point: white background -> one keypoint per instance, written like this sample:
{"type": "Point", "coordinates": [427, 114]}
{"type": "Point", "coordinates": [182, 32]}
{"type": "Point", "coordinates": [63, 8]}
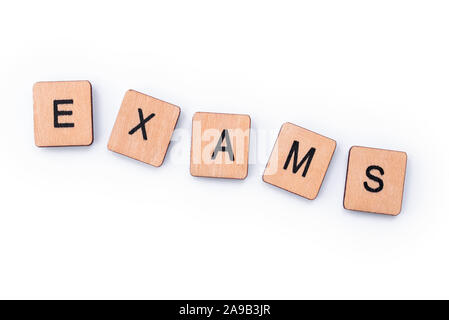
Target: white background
{"type": "Point", "coordinates": [84, 222]}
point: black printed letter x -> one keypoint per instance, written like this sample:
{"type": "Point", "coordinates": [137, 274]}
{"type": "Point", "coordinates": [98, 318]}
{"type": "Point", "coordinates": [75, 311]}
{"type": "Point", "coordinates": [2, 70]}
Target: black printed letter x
{"type": "Point", "coordinates": [141, 125]}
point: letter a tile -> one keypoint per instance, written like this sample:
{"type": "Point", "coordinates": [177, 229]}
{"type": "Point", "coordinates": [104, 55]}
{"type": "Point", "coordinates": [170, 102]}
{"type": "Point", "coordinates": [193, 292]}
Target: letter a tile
{"type": "Point", "coordinates": [220, 145]}
{"type": "Point", "coordinates": [62, 113]}
{"type": "Point", "coordinates": [143, 128]}
{"type": "Point", "coordinates": [375, 180]}
{"type": "Point", "coordinates": [299, 161]}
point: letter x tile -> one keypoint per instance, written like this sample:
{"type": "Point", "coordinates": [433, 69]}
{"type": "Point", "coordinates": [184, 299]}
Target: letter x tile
{"type": "Point", "coordinates": [143, 128]}
{"type": "Point", "coordinates": [299, 161]}
{"type": "Point", "coordinates": [62, 113]}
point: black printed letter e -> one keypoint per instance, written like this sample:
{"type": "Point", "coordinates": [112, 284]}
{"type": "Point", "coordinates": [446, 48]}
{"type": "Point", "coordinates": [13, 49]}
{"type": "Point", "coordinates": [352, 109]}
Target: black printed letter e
{"type": "Point", "coordinates": [57, 113]}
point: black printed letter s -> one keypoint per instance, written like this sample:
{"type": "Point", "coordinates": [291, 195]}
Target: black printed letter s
{"type": "Point", "coordinates": [374, 178]}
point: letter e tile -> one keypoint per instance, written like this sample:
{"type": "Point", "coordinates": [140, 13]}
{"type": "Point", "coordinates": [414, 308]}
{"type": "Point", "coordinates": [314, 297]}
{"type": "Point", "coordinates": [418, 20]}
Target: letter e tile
{"type": "Point", "coordinates": [62, 113]}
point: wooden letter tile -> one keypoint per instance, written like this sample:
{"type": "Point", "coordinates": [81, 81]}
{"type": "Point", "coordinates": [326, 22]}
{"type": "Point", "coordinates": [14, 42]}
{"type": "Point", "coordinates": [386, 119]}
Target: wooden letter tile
{"type": "Point", "coordinates": [375, 180]}
{"type": "Point", "coordinates": [299, 161]}
{"type": "Point", "coordinates": [220, 145]}
{"type": "Point", "coordinates": [62, 113]}
{"type": "Point", "coordinates": [143, 128]}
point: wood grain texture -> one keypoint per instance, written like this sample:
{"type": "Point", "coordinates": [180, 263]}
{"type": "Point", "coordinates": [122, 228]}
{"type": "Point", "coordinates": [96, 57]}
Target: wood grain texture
{"type": "Point", "coordinates": [158, 130]}
{"type": "Point", "coordinates": [392, 174]}
{"type": "Point", "coordinates": [308, 186]}
{"type": "Point", "coordinates": [46, 134]}
{"type": "Point", "coordinates": [207, 129]}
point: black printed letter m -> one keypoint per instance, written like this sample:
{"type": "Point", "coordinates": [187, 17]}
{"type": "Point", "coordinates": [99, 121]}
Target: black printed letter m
{"type": "Point", "coordinates": [294, 150]}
